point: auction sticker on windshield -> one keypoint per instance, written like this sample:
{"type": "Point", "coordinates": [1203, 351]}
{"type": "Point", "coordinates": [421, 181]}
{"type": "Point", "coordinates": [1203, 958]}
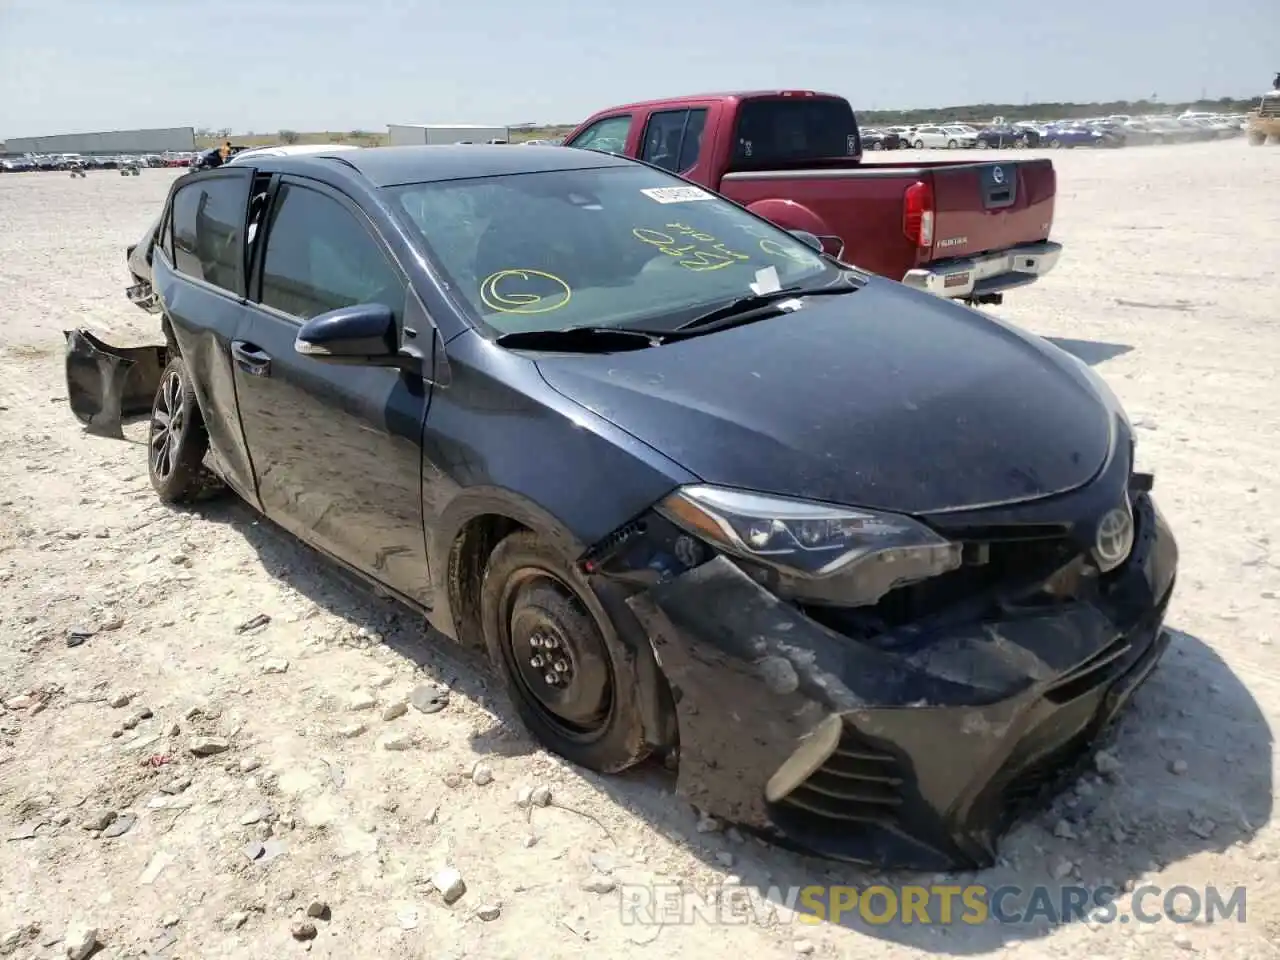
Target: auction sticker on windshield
{"type": "Point", "coordinates": [676, 194]}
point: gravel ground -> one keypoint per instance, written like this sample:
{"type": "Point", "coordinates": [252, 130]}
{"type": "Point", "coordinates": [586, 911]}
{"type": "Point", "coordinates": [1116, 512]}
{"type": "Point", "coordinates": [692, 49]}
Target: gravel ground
{"type": "Point", "coordinates": [133, 638]}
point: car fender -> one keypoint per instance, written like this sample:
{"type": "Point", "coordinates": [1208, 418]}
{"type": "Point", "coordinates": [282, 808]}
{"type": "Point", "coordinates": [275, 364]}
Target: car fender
{"type": "Point", "coordinates": [652, 693]}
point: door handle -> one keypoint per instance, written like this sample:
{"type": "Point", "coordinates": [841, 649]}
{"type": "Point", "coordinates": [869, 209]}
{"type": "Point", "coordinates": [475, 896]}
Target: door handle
{"type": "Point", "coordinates": [250, 359]}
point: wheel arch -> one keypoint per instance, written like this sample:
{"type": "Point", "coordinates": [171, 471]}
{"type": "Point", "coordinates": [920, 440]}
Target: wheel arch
{"type": "Point", "coordinates": [465, 536]}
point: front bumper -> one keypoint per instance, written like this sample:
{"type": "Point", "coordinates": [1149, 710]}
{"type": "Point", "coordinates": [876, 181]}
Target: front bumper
{"type": "Point", "coordinates": [918, 757]}
{"type": "Point", "coordinates": [987, 273]}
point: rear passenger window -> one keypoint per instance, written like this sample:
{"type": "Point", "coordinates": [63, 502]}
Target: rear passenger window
{"type": "Point", "coordinates": [319, 257]}
{"type": "Point", "coordinates": [208, 231]}
{"type": "Point", "coordinates": [673, 139]}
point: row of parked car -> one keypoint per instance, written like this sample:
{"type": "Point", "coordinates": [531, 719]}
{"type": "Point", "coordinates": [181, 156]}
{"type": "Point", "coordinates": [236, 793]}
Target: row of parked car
{"type": "Point", "coordinates": [1119, 130]}
{"type": "Point", "coordinates": [77, 162]}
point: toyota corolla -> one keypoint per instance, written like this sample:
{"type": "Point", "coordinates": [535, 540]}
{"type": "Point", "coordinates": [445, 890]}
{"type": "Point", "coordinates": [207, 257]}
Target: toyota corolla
{"type": "Point", "coordinates": [872, 567]}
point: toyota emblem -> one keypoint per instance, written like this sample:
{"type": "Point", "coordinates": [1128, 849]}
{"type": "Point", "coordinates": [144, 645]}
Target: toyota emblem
{"type": "Point", "coordinates": [997, 174]}
{"type": "Point", "coordinates": [1114, 538]}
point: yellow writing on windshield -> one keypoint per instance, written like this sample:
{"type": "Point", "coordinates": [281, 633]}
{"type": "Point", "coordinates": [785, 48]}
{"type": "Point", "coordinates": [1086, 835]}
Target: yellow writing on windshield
{"type": "Point", "coordinates": [775, 249]}
{"type": "Point", "coordinates": [512, 291]}
{"type": "Point", "coordinates": [704, 253]}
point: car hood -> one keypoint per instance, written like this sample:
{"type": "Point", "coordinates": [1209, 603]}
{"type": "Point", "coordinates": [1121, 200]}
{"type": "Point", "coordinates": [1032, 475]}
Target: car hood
{"type": "Point", "coordinates": [886, 397]}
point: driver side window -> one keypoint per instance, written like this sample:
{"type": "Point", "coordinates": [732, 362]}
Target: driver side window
{"type": "Point", "coordinates": [319, 257]}
{"type": "Point", "coordinates": [608, 135]}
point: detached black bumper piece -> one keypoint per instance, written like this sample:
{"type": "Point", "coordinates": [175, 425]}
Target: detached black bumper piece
{"type": "Point", "coordinates": [914, 756]}
{"type": "Point", "coordinates": [107, 385]}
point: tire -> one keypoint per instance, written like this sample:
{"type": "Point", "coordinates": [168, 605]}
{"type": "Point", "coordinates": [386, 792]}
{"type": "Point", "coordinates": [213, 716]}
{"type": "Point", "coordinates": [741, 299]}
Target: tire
{"type": "Point", "coordinates": [983, 145]}
{"type": "Point", "coordinates": [175, 452]}
{"type": "Point", "coordinates": [952, 145]}
{"type": "Point", "coordinates": [1055, 143]}
{"type": "Point", "coordinates": [877, 145]}
{"type": "Point", "coordinates": [532, 593]}
{"type": "Point", "coordinates": [1257, 139]}
{"type": "Point", "coordinates": [919, 144]}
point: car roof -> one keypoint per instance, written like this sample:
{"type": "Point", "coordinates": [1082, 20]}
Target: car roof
{"type": "Point", "coordinates": [291, 150]}
{"type": "Point", "coordinates": [391, 166]}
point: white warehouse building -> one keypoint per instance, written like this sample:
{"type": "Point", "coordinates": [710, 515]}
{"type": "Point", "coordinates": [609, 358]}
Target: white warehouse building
{"type": "Point", "coordinates": [416, 134]}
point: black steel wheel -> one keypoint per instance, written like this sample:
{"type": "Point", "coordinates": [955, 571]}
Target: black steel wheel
{"type": "Point", "coordinates": [176, 439]}
{"type": "Point", "coordinates": [570, 677]}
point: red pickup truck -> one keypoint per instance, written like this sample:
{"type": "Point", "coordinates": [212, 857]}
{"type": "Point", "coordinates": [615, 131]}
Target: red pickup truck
{"type": "Point", "coordinates": [958, 229]}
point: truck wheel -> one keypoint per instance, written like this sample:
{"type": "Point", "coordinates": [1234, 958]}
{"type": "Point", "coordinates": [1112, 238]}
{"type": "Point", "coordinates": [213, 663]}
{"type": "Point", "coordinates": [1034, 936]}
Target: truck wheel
{"type": "Point", "coordinates": [569, 675]}
{"type": "Point", "coordinates": [176, 439]}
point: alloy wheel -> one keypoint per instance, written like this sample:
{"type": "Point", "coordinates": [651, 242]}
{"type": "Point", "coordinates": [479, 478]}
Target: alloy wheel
{"type": "Point", "coordinates": [168, 421]}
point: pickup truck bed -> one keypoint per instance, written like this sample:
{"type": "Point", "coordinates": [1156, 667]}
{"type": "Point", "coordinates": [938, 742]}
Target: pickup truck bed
{"type": "Point", "coordinates": [958, 229]}
{"type": "Point", "coordinates": [988, 230]}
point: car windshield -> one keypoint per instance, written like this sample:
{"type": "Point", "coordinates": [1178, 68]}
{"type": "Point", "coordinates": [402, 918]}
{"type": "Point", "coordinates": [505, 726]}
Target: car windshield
{"type": "Point", "coordinates": [610, 246]}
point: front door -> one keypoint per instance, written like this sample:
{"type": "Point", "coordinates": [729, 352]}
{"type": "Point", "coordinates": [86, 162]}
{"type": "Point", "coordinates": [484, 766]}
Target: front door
{"type": "Point", "coordinates": [336, 450]}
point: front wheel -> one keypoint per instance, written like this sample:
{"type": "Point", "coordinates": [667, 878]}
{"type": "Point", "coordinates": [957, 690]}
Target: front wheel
{"type": "Point", "coordinates": [1257, 139]}
{"type": "Point", "coordinates": [919, 144]}
{"type": "Point", "coordinates": [571, 678]}
{"type": "Point", "coordinates": [983, 145]}
{"type": "Point", "coordinates": [1055, 143]}
{"type": "Point", "coordinates": [952, 145]}
{"type": "Point", "coordinates": [176, 439]}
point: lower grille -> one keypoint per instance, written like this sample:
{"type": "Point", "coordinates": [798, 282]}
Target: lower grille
{"type": "Point", "coordinates": [858, 783]}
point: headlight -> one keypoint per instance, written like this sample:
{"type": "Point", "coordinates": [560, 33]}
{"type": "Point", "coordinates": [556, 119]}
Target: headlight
{"type": "Point", "coordinates": [820, 551]}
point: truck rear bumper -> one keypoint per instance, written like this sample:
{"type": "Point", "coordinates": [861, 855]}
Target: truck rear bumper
{"type": "Point", "coordinates": [986, 274]}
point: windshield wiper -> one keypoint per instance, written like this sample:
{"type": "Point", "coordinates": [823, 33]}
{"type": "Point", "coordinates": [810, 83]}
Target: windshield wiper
{"type": "Point", "coordinates": [754, 307]}
{"type": "Point", "coordinates": [581, 339]}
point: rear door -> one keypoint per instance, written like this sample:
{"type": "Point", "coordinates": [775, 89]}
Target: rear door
{"type": "Point", "coordinates": [336, 450]}
{"type": "Point", "coordinates": [199, 274]}
{"type": "Point", "coordinates": [673, 140]}
{"type": "Point", "coordinates": [986, 207]}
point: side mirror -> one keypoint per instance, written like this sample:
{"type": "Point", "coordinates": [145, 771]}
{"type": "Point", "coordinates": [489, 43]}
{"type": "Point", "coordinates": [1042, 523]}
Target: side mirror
{"type": "Point", "coordinates": [364, 334]}
{"type": "Point", "coordinates": [808, 239]}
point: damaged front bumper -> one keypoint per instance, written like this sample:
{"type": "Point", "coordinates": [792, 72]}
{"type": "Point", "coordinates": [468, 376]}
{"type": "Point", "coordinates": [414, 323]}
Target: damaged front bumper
{"type": "Point", "coordinates": [916, 755]}
{"type": "Point", "coordinates": [107, 385]}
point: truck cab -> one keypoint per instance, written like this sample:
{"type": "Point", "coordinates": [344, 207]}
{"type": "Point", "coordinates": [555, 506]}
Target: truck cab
{"type": "Point", "coordinates": [959, 229]}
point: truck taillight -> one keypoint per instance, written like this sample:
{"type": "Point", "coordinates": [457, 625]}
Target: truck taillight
{"type": "Point", "coordinates": [917, 214]}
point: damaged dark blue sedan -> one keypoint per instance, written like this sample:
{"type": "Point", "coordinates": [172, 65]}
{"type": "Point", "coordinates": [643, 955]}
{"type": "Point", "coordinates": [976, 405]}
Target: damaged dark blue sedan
{"type": "Point", "coordinates": [874, 568]}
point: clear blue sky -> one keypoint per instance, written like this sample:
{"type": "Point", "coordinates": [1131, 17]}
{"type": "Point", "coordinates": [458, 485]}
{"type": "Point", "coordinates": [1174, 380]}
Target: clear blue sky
{"type": "Point", "coordinates": [263, 65]}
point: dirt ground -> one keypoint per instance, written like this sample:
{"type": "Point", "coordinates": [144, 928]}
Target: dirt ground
{"type": "Point", "coordinates": [318, 789]}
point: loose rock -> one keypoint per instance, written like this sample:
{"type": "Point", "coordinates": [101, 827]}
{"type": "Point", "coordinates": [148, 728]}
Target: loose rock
{"type": "Point", "coordinates": [361, 700]}
{"type": "Point", "coordinates": [481, 774]}
{"type": "Point", "coordinates": [121, 699]}
{"type": "Point", "coordinates": [397, 741]}
{"type": "Point", "coordinates": [395, 710]}
{"type": "Point", "coordinates": [1178, 766]}
{"type": "Point", "coordinates": [351, 730]}
{"type": "Point", "coordinates": [79, 941]}
{"type": "Point", "coordinates": [234, 921]}
{"type": "Point", "coordinates": [303, 930]}
{"type": "Point", "coordinates": [275, 667]}
{"type": "Point", "coordinates": [99, 820]}
{"type": "Point", "coordinates": [489, 911]}
{"type": "Point", "coordinates": [319, 910]}
{"type": "Point", "coordinates": [119, 826]}
{"type": "Point", "coordinates": [429, 699]}
{"type": "Point", "coordinates": [208, 746]}
{"type": "Point", "coordinates": [1107, 763]}
{"type": "Point", "coordinates": [540, 796]}
{"type": "Point", "coordinates": [599, 884]}
{"type": "Point", "coordinates": [176, 786]}
{"type": "Point", "coordinates": [450, 884]}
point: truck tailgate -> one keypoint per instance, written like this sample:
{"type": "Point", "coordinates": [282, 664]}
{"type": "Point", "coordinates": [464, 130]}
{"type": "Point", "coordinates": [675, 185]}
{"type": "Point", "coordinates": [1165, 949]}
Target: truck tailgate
{"type": "Point", "coordinates": [985, 207]}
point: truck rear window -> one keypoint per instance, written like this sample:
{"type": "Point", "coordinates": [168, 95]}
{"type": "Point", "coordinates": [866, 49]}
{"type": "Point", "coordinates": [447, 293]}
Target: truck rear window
{"type": "Point", "coordinates": [787, 131]}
